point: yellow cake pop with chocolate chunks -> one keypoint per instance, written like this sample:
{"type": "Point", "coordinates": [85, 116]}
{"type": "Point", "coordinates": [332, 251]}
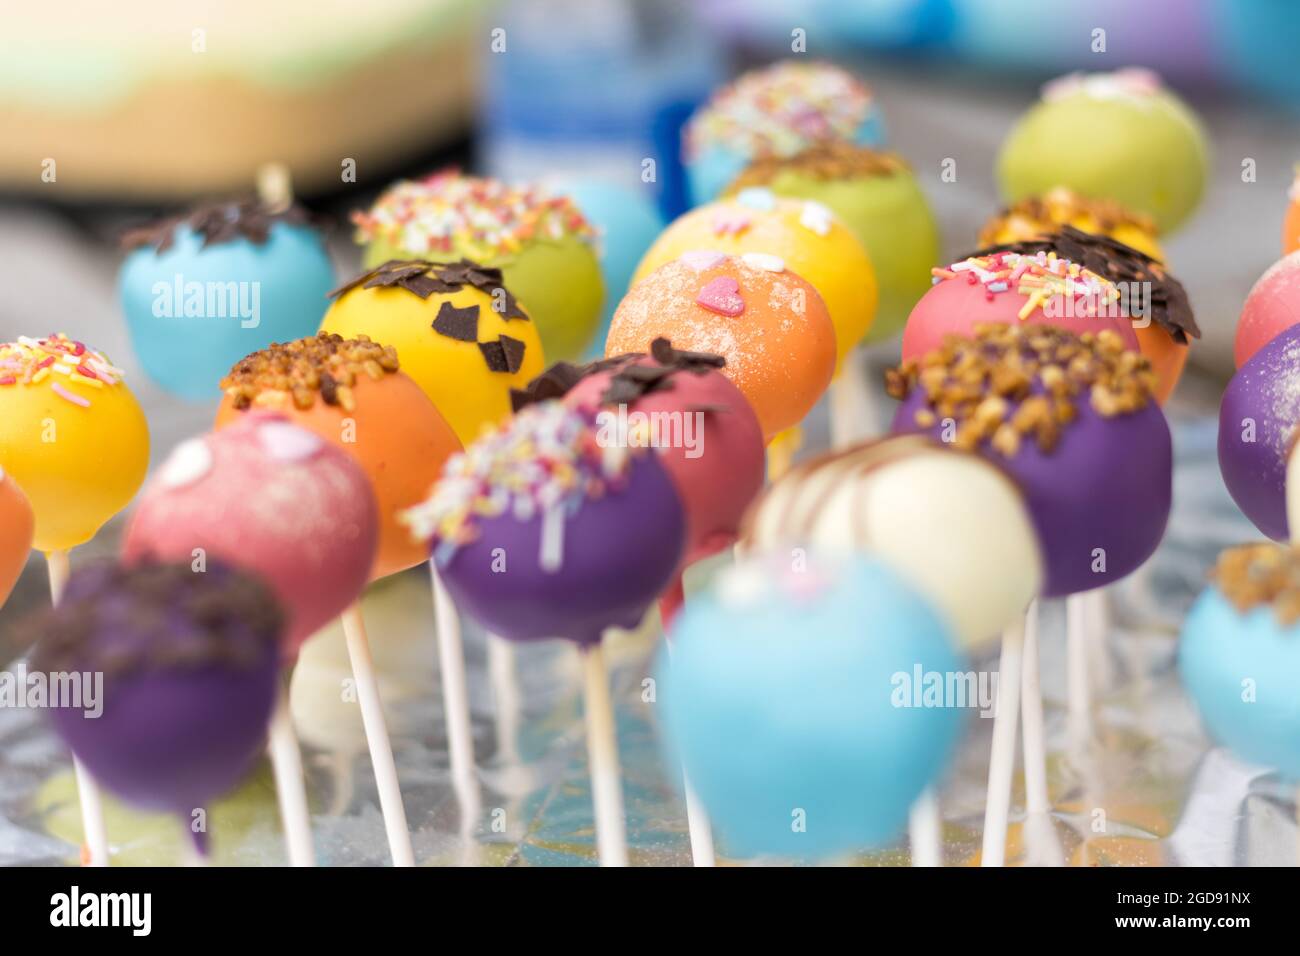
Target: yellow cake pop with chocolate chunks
{"type": "Point", "coordinates": [459, 333]}
{"type": "Point", "coordinates": [71, 434]}
{"type": "Point", "coordinates": [1045, 214]}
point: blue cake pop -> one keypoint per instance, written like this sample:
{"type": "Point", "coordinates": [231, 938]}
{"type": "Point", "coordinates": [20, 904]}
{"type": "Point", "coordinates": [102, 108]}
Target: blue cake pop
{"type": "Point", "coordinates": [779, 111]}
{"type": "Point", "coordinates": [789, 696]}
{"type": "Point", "coordinates": [628, 223]}
{"type": "Point", "coordinates": [203, 290]}
{"type": "Point", "coordinates": [1239, 656]}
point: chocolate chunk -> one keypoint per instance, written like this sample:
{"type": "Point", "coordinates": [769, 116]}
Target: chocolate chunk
{"type": "Point", "coordinates": [459, 324]}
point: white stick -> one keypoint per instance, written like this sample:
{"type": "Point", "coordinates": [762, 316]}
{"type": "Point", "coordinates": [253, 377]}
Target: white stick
{"type": "Point", "coordinates": [925, 827]}
{"type": "Point", "coordinates": [1031, 710]}
{"type": "Point", "coordinates": [1078, 692]}
{"type": "Point", "coordinates": [290, 788]}
{"type": "Point", "coordinates": [506, 698]}
{"type": "Point", "coordinates": [455, 692]}
{"type": "Point", "coordinates": [1097, 602]}
{"type": "Point", "coordinates": [602, 756]}
{"type": "Point", "coordinates": [1002, 758]}
{"type": "Point", "coordinates": [699, 828]}
{"type": "Point", "coordinates": [376, 727]}
{"type": "Point", "coordinates": [850, 402]}
{"type": "Point", "coordinates": [94, 832]}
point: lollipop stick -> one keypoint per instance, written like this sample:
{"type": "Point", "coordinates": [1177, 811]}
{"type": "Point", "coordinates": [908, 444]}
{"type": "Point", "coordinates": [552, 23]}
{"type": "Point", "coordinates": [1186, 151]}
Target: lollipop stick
{"type": "Point", "coordinates": [1002, 759]}
{"type": "Point", "coordinates": [1031, 709]}
{"type": "Point", "coordinates": [602, 757]}
{"type": "Point", "coordinates": [92, 805]}
{"type": "Point", "coordinates": [1078, 693]}
{"type": "Point", "coordinates": [697, 818]}
{"type": "Point", "coordinates": [286, 765]}
{"type": "Point", "coordinates": [925, 827]}
{"type": "Point", "coordinates": [455, 692]}
{"type": "Point", "coordinates": [505, 693]}
{"type": "Point", "coordinates": [381, 750]}
{"type": "Point", "coordinates": [850, 402]}
{"type": "Point", "coordinates": [275, 186]}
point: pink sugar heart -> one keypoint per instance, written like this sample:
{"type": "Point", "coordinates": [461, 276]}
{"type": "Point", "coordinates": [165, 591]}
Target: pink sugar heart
{"type": "Point", "coordinates": [721, 295]}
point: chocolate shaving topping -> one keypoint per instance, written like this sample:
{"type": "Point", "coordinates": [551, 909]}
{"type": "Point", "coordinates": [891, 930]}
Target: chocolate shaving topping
{"type": "Point", "coordinates": [631, 380]}
{"type": "Point", "coordinates": [459, 324]}
{"type": "Point", "coordinates": [424, 278]}
{"type": "Point", "coordinates": [124, 620]}
{"type": "Point", "coordinates": [1121, 264]}
{"type": "Point", "coordinates": [503, 355]}
{"type": "Point", "coordinates": [216, 223]}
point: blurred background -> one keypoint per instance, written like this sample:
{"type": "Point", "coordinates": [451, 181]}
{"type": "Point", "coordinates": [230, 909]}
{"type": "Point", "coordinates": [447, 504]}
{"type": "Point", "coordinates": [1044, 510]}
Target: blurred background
{"type": "Point", "coordinates": [111, 114]}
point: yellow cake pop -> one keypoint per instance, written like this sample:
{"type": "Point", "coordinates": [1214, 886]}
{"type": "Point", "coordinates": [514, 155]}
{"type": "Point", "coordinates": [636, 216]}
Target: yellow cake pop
{"type": "Point", "coordinates": [804, 234]}
{"type": "Point", "coordinates": [1042, 215]}
{"type": "Point", "coordinates": [71, 434]}
{"type": "Point", "coordinates": [458, 332]}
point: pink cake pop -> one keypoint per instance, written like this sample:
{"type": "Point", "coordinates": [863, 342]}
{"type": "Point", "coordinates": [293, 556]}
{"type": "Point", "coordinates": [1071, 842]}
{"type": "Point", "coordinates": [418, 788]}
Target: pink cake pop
{"type": "Point", "coordinates": [266, 495]}
{"type": "Point", "coordinates": [1272, 306]}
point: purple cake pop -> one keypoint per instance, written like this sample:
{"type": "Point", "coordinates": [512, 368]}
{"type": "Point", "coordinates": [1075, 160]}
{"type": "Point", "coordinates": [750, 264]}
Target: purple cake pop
{"type": "Point", "coordinates": [545, 528]}
{"type": "Point", "coordinates": [189, 662]}
{"type": "Point", "coordinates": [1257, 427]}
{"type": "Point", "coordinates": [1073, 420]}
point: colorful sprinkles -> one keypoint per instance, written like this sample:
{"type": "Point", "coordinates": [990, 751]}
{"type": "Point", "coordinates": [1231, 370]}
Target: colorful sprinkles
{"type": "Point", "coordinates": [447, 213]}
{"type": "Point", "coordinates": [62, 361]}
{"type": "Point", "coordinates": [544, 463]}
{"type": "Point", "coordinates": [1039, 276]}
{"type": "Point", "coordinates": [781, 110]}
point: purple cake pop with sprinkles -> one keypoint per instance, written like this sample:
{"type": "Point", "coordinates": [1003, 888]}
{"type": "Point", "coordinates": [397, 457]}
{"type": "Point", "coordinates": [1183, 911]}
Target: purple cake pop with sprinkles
{"type": "Point", "coordinates": [189, 661]}
{"type": "Point", "coordinates": [1073, 420]}
{"type": "Point", "coordinates": [545, 529]}
{"type": "Point", "coordinates": [1257, 429]}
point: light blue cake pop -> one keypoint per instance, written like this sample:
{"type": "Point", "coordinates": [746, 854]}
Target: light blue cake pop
{"type": "Point", "coordinates": [779, 110]}
{"type": "Point", "coordinates": [1239, 656]}
{"type": "Point", "coordinates": [202, 291]}
{"type": "Point", "coordinates": [628, 223]}
{"type": "Point", "coordinates": [793, 698]}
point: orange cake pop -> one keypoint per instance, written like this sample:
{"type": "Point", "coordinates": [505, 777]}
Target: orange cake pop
{"type": "Point", "coordinates": [16, 527]}
{"type": "Point", "coordinates": [351, 393]}
{"type": "Point", "coordinates": [1291, 225]}
{"type": "Point", "coordinates": [770, 325]}
{"type": "Point", "coordinates": [806, 236]}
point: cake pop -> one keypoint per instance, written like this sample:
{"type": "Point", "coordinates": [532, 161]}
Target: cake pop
{"type": "Point", "coordinates": [769, 324]}
{"type": "Point", "coordinates": [458, 332]}
{"type": "Point", "coordinates": [778, 110]}
{"type": "Point", "coordinates": [808, 748]}
{"type": "Point", "coordinates": [16, 525]}
{"type": "Point", "coordinates": [708, 438]}
{"type": "Point", "coordinates": [1096, 473]}
{"type": "Point", "coordinates": [1143, 146]}
{"type": "Point", "coordinates": [351, 393]}
{"type": "Point", "coordinates": [189, 665]}
{"type": "Point", "coordinates": [1239, 654]}
{"type": "Point", "coordinates": [805, 235]}
{"type": "Point", "coordinates": [1037, 216]}
{"type": "Point", "coordinates": [202, 289]}
{"type": "Point", "coordinates": [280, 502]}
{"type": "Point", "coordinates": [541, 243]}
{"type": "Point", "coordinates": [519, 527]}
{"type": "Point", "coordinates": [1272, 306]}
{"type": "Point", "coordinates": [627, 222]}
{"type": "Point", "coordinates": [1257, 428]}
{"type": "Point", "coordinates": [273, 499]}
{"type": "Point", "coordinates": [71, 435]}
{"type": "Point", "coordinates": [1153, 302]}
{"type": "Point", "coordinates": [952, 524]}
{"type": "Point", "coordinates": [877, 196]}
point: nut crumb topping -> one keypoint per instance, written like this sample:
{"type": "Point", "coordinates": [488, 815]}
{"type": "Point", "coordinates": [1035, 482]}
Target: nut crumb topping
{"type": "Point", "coordinates": [326, 364]}
{"type": "Point", "coordinates": [1263, 573]}
{"type": "Point", "coordinates": [1012, 383]}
